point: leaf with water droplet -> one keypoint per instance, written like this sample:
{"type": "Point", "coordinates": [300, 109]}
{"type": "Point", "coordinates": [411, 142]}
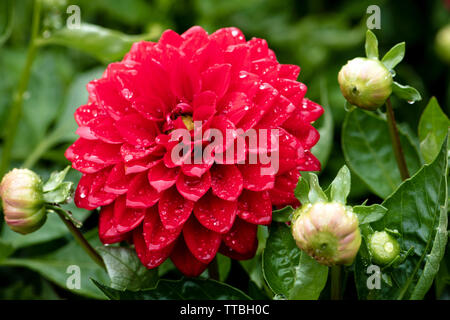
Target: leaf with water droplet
{"type": "Point", "coordinates": [407, 93]}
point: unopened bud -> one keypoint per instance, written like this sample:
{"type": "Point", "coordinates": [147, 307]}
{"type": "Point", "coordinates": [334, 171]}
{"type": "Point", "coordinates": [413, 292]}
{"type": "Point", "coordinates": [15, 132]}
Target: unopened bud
{"type": "Point", "coordinates": [384, 247]}
{"type": "Point", "coordinates": [22, 199]}
{"type": "Point", "coordinates": [328, 232]}
{"type": "Point", "coordinates": [365, 83]}
{"type": "Point", "coordinates": [443, 43]}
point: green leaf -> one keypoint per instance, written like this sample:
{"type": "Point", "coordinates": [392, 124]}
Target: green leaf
{"type": "Point", "coordinates": [394, 56]}
{"type": "Point", "coordinates": [371, 45]}
{"type": "Point", "coordinates": [104, 44]}
{"type": "Point", "coordinates": [55, 180]}
{"type": "Point", "coordinates": [125, 269]}
{"type": "Point", "coordinates": [368, 152]}
{"type": "Point", "coordinates": [340, 187]}
{"type": "Point", "coordinates": [6, 249]}
{"type": "Point", "coordinates": [369, 214]}
{"type": "Point", "coordinates": [407, 93]}
{"type": "Point", "coordinates": [433, 126]}
{"type": "Point", "coordinates": [224, 264]}
{"type": "Point", "coordinates": [315, 193]}
{"type": "Point", "coordinates": [61, 194]}
{"type": "Point", "coordinates": [183, 289]}
{"type": "Point", "coordinates": [418, 210]}
{"type": "Point", "coordinates": [283, 215]}
{"type": "Point", "coordinates": [302, 189]}
{"type": "Point", "coordinates": [54, 266]}
{"type": "Point", "coordinates": [289, 271]}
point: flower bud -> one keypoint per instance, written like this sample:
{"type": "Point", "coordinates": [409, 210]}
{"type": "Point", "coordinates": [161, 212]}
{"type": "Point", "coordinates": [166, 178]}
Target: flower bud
{"type": "Point", "coordinates": [22, 199]}
{"type": "Point", "coordinates": [443, 43]}
{"type": "Point", "coordinates": [328, 232]}
{"type": "Point", "coordinates": [365, 83]}
{"type": "Point", "coordinates": [384, 247]}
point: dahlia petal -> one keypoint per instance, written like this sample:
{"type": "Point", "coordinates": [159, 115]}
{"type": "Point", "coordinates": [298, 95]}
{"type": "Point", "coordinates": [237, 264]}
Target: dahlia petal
{"type": "Point", "coordinates": [193, 188]}
{"type": "Point", "coordinates": [257, 177]}
{"type": "Point", "coordinates": [130, 152]}
{"type": "Point", "coordinates": [202, 243]}
{"type": "Point", "coordinates": [267, 69]}
{"type": "Point", "coordinates": [86, 113]}
{"type": "Point", "coordinates": [310, 111]}
{"type": "Point", "coordinates": [151, 108]}
{"type": "Point", "coordinates": [107, 233]}
{"type": "Point", "coordinates": [214, 213]}
{"type": "Point", "coordinates": [310, 162]}
{"type": "Point", "coordinates": [283, 198]}
{"type": "Point", "coordinates": [246, 82]}
{"type": "Point", "coordinates": [136, 130]}
{"type": "Point", "coordinates": [279, 112]}
{"type": "Point", "coordinates": [197, 170]}
{"type": "Point", "coordinates": [174, 160]}
{"type": "Point", "coordinates": [241, 237]}
{"type": "Point", "coordinates": [185, 261]}
{"type": "Point", "coordinates": [117, 182]}
{"type": "Point", "coordinates": [208, 56]}
{"type": "Point", "coordinates": [291, 150]}
{"type": "Point", "coordinates": [216, 79]}
{"type": "Point", "coordinates": [255, 207]}
{"type": "Point", "coordinates": [226, 182]}
{"type": "Point", "coordinates": [258, 48]}
{"type": "Point", "coordinates": [194, 39]}
{"type": "Point", "coordinates": [156, 236]}
{"type": "Point", "coordinates": [140, 165]}
{"type": "Point", "coordinates": [239, 58]}
{"type": "Point", "coordinates": [140, 51]}
{"type": "Point", "coordinates": [288, 71]}
{"type": "Point", "coordinates": [126, 219]}
{"type": "Point", "coordinates": [93, 151]}
{"type": "Point", "coordinates": [293, 90]}
{"type": "Point", "coordinates": [227, 251]}
{"type": "Point", "coordinates": [204, 106]}
{"type": "Point", "coordinates": [86, 133]}
{"type": "Point", "coordinates": [156, 79]}
{"type": "Point", "coordinates": [82, 192]}
{"type": "Point", "coordinates": [304, 132]}
{"type": "Point", "coordinates": [265, 97]}
{"type": "Point", "coordinates": [108, 98]}
{"type": "Point", "coordinates": [85, 166]}
{"type": "Point", "coordinates": [161, 178]}
{"type": "Point", "coordinates": [97, 196]}
{"type": "Point", "coordinates": [234, 105]}
{"type": "Point", "coordinates": [140, 193]}
{"type": "Point", "coordinates": [226, 37]}
{"type": "Point", "coordinates": [185, 81]}
{"type": "Point", "coordinates": [151, 259]}
{"type": "Point", "coordinates": [174, 209]}
{"type": "Point", "coordinates": [170, 37]}
{"type": "Point", "coordinates": [104, 129]}
{"type": "Point", "coordinates": [226, 134]}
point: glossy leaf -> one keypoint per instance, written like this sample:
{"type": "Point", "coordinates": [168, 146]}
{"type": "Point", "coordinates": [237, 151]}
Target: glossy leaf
{"type": "Point", "coordinates": [104, 44]}
{"type": "Point", "coordinates": [371, 45]}
{"type": "Point", "coordinates": [368, 152]}
{"type": "Point", "coordinates": [55, 266]}
{"type": "Point", "coordinates": [283, 215]}
{"type": "Point", "coordinates": [55, 180]}
{"type": "Point", "coordinates": [369, 214]}
{"type": "Point", "coordinates": [407, 93]}
{"type": "Point", "coordinates": [60, 195]}
{"type": "Point", "coordinates": [394, 56]}
{"type": "Point", "coordinates": [125, 269]}
{"type": "Point", "coordinates": [289, 271]}
{"type": "Point", "coordinates": [183, 289]}
{"type": "Point", "coordinates": [433, 127]}
{"type": "Point", "coordinates": [340, 187]}
{"type": "Point", "coordinates": [418, 210]}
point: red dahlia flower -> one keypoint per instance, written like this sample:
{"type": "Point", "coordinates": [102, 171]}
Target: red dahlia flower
{"type": "Point", "coordinates": [182, 210]}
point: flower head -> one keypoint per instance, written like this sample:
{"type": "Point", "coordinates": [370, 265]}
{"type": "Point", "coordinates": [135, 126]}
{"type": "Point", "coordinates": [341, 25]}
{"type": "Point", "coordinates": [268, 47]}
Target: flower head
{"type": "Point", "coordinates": [365, 83]}
{"type": "Point", "coordinates": [171, 205]}
{"type": "Point", "coordinates": [328, 232]}
{"type": "Point", "coordinates": [23, 200]}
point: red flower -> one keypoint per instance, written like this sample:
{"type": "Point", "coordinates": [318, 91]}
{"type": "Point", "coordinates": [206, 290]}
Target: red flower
{"type": "Point", "coordinates": [189, 212]}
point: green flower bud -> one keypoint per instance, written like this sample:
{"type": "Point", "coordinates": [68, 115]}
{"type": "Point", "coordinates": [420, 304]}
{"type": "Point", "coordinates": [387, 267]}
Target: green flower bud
{"type": "Point", "coordinates": [328, 232]}
{"type": "Point", "coordinates": [443, 43]}
{"type": "Point", "coordinates": [365, 83]}
{"type": "Point", "coordinates": [23, 201]}
{"type": "Point", "coordinates": [384, 247]}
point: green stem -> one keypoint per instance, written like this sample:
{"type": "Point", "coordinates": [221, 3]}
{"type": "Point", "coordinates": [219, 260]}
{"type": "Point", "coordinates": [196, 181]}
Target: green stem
{"type": "Point", "coordinates": [40, 149]}
{"type": "Point", "coordinates": [213, 269]}
{"type": "Point", "coordinates": [336, 283]}
{"type": "Point", "coordinates": [16, 108]}
{"type": "Point", "coordinates": [395, 139]}
{"type": "Point", "coordinates": [78, 236]}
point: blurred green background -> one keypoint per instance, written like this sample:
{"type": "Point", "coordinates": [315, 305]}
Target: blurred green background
{"type": "Point", "coordinates": [318, 35]}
